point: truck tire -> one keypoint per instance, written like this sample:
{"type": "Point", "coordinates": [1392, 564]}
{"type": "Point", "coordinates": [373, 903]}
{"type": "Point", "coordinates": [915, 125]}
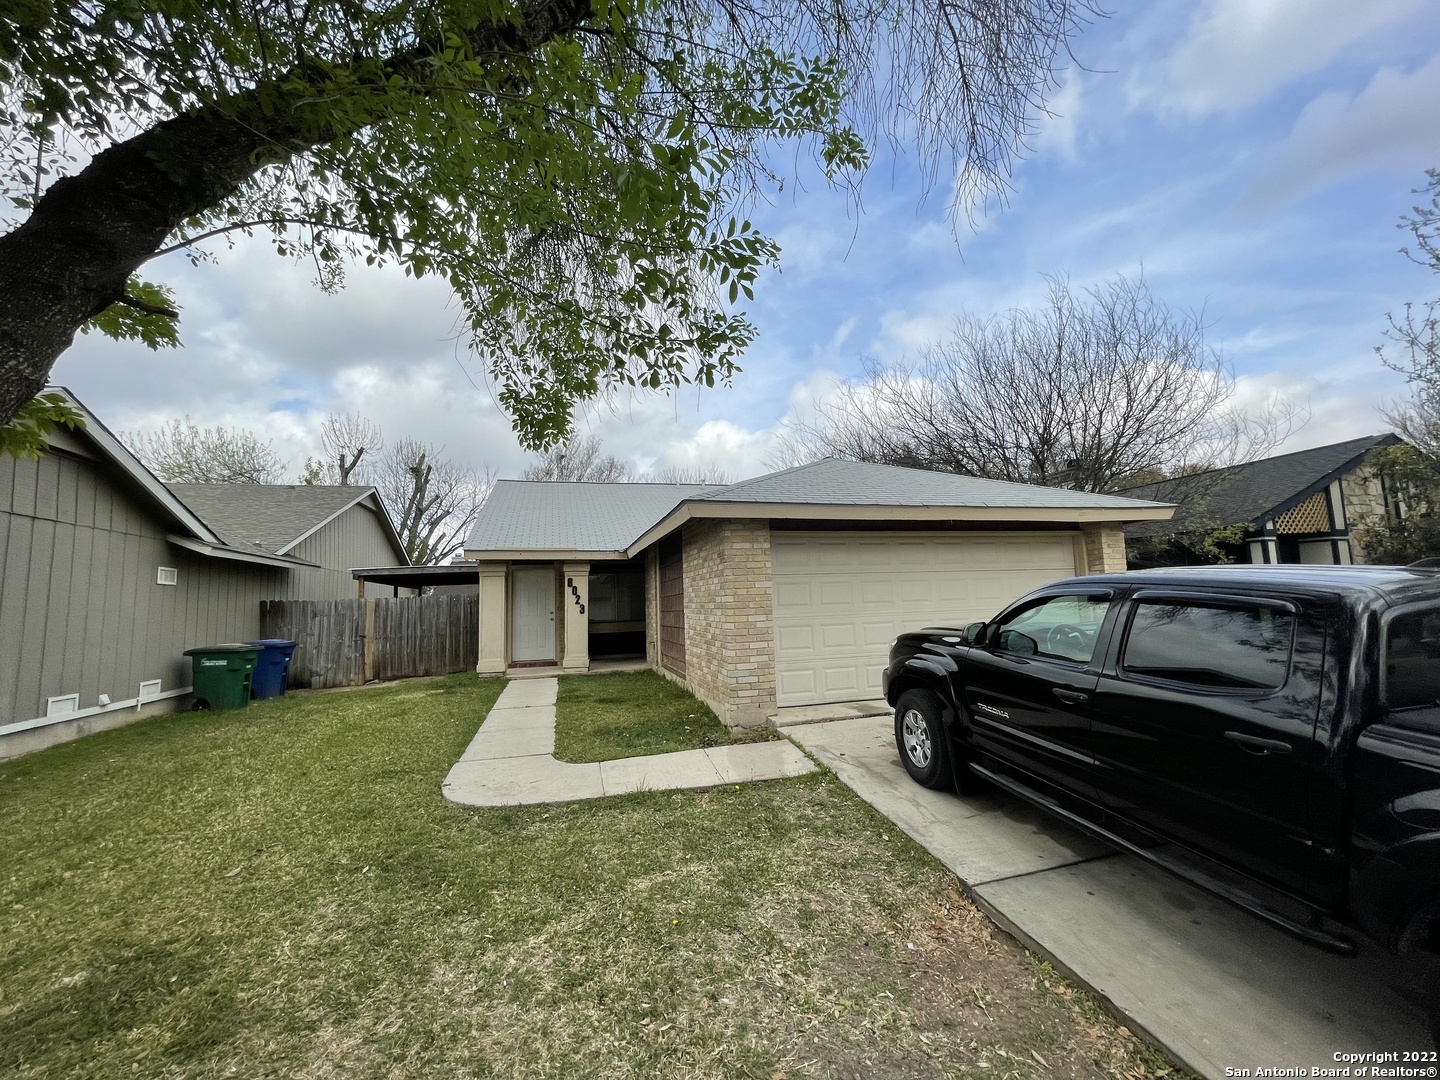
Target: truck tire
{"type": "Point", "coordinates": [920, 738]}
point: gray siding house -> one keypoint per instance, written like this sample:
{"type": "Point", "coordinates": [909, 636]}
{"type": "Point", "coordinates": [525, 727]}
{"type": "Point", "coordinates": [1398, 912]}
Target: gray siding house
{"type": "Point", "coordinates": [107, 576]}
{"type": "Point", "coordinates": [328, 529]}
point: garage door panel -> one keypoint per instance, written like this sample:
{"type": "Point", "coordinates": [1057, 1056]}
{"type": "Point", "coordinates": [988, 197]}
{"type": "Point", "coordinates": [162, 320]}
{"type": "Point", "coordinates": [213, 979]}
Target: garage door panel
{"type": "Point", "coordinates": [792, 595]}
{"type": "Point", "coordinates": [878, 634]}
{"type": "Point", "coordinates": [795, 685]}
{"type": "Point", "coordinates": [877, 591]}
{"type": "Point", "coordinates": [841, 600]}
{"type": "Point", "coordinates": [794, 639]}
{"type": "Point", "coordinates": [834, 556]}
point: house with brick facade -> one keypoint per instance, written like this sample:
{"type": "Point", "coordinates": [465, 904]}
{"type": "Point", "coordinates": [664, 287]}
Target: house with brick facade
{"type": "Point", "coordinates": [1301, 507]}
{"type": "Point", "coordinates": [782, 590]}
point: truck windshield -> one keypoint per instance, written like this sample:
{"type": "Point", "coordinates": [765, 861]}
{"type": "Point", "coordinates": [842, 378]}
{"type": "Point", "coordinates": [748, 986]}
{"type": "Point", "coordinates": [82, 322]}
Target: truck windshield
{"type": "Point", "coordinates": [1412, 659]}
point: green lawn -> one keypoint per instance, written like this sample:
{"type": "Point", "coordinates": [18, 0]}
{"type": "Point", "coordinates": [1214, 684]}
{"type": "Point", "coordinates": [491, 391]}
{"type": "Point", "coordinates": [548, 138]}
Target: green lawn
{"type": "Point", "coordinates": [283, 892]}
{"type": "Point", "coordinates": [627, 714]}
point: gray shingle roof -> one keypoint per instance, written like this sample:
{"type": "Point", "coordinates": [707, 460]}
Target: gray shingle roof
{"type": "Point", "coordinates": [1242, 494]}
{"type": "Point", "coordinates": [265, 516]}
{"type": "Point", "coordinates": [833, 482]}
{"type": "Point", "coordinates": [548, 516]}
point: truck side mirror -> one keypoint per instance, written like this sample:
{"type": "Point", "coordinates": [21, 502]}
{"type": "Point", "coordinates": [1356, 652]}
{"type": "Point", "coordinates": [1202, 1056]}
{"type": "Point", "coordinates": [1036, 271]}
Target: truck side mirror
{"type": "Point", "coordinates": [973, 633]}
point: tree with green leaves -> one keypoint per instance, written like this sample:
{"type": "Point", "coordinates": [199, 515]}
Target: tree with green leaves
{"type": "Point", "coordinates": [576, 170]}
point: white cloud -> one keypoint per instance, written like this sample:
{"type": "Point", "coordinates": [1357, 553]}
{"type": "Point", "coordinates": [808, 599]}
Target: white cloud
{"type": "Point", "coordinates": [1394, 122]}
{"type": "Point", "coordinates": [1238, 52]}
{"type": "Point", "coordinates": [1344, 402]}
{"type": "Point", "coordinates": [1058, 132]}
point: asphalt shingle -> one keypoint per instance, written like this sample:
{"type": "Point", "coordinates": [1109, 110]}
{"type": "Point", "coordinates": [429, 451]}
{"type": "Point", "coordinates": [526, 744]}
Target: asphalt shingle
{"type": "Point", "coordinates": [265, 516]}
{"type": "Point", "coordinates": [1249, 493]}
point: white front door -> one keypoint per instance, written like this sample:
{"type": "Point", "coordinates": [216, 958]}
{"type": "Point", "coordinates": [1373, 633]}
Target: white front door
{"type": "Point", "coordinates": [533, 621]}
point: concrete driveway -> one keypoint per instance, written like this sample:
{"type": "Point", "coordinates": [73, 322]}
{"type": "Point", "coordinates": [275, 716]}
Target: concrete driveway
{"type": "Point", "coordinates": [1217, 987]}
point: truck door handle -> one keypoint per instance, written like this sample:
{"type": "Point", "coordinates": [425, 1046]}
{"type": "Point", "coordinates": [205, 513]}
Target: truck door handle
{"type": "Point", "coordinates": [1071, 697]}
{"type": "Point", "coordinates": [1256, 745]}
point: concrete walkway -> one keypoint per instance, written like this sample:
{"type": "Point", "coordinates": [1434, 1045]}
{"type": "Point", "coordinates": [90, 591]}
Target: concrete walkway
{"type": "Point", "coordinates": [1214, 985]}
{"type": "Point", "coordinates": [511, 760]}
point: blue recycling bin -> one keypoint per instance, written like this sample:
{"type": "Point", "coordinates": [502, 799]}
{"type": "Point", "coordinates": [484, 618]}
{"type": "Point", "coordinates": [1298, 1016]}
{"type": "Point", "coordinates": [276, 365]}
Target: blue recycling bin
{"type": "Point", "coordinates": [272, 667]}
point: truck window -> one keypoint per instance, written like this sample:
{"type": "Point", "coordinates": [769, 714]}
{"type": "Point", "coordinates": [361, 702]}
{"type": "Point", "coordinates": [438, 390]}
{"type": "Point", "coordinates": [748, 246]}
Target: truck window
{"type": "Point", "coordinates": [1210, 644]}
{"type": "Point", "coordinates": [1060, 628]}
{"type": "Point", "coordinates": [1412, 659]}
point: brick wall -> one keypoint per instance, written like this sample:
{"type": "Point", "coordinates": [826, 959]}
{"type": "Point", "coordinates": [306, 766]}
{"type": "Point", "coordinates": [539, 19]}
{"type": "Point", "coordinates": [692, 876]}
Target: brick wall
{"type": "Point", "coordinates": [1104, 548]}
{"type": "Point", "coordinates": [729, 619]}
{"type": "Point", "coordinates": [652, 606]}
{"type": "Point", "coordinates": [1364, 498]}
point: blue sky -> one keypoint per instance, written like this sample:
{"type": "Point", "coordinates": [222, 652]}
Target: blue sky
{"type": "Point", "coordinates": [1251, 157]}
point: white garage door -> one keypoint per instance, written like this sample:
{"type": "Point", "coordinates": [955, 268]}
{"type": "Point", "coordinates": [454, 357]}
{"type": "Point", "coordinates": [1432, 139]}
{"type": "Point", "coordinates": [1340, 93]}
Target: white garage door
{"type": "Point", "coordinates": [840, 598]}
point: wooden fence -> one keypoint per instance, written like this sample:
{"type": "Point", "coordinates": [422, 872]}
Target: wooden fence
{"type": "Point", "coordinates": [352, 642]}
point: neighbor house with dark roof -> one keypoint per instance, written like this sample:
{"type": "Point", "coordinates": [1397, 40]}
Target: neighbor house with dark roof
{"type": "Point", "coordinates": [1301, 507]}
{"type": "Point", "coordinates": [108, 575]}
{"type": "Point", "coordinates": [778, 591]}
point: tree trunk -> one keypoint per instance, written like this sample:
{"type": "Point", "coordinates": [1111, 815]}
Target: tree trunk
{"type": "Point", "coordinates": [88, 233]}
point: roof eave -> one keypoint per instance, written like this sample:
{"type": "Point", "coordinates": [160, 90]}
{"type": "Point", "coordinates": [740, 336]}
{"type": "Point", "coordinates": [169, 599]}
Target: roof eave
{"type": "Point", "coordinates": [365, 493]}
{"type": "Point", "coordinates": [710, 508]}
{"type": "Point", "coordinates": [543, 555]}
{"type": "Point", "coordinates": [129, 464]}
{"type": "Point", "coordinates": [223, 551]}
{"type": "Point", "coordinates": [1388, 439]}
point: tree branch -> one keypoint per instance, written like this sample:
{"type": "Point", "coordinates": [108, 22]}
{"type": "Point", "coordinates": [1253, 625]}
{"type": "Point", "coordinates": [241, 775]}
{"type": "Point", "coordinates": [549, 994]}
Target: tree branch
{"type": "Point", "coordinates": [148, 309]}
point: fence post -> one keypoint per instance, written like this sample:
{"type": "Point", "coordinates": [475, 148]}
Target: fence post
{"type": "Point", "coordinates": [368, 671]}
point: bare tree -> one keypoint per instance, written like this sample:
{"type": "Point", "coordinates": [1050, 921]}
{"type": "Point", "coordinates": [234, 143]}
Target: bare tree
{"type": "Point", "coordinates": [433, 500]}
{"type": "Point", "coordinates": [1417, 333]}
{"type": "Point", "coordinates": [579, 458]}
{"type": "Point", "coordinates": [346, 440]}
{"type": "Point", "coordinates": [690, 474]}
{"type": "Point", "coordinates": [1090, 391]}
{"type": "Point", "coordinates": [183, 453]}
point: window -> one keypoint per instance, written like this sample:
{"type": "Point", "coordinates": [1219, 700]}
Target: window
{"type": "Point", "coordinates": [617, 598]}
{"type": "Point", "coordinates": [1060, 628]}
{"type": "Point", "coordinates": [1412, 659]}
{"type": "Point", "coordinates": [1210, 645]}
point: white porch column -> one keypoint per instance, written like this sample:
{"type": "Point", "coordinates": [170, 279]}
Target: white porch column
{"type": "Point", "coordinates": [575, 596]}
{"type": "Point", "coordinates": [492, 618]}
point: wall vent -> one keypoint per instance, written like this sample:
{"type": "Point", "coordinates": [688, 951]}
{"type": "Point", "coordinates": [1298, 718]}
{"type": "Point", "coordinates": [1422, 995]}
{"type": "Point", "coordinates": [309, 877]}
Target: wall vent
{"type": "Point", "coordinates": [62, 705]}
{"type": "Point", "coordinates": [149, 690]}
{"type": "Point", "coordinates": [167, 575]}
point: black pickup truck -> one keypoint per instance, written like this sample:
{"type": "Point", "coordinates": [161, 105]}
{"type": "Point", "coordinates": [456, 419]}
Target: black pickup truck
{"type": "Point", "coordinates": [1272, 733]}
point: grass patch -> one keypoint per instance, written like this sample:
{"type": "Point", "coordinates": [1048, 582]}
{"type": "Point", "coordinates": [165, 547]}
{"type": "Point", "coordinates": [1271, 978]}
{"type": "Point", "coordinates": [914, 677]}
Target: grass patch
{"type": "Point", "coordinates": [629, 714]}
{"type": "Point", "coordinates": [282, 892]}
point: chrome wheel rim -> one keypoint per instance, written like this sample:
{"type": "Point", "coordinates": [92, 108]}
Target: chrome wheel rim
{"type": "Point", "coordinates": [916, 735]}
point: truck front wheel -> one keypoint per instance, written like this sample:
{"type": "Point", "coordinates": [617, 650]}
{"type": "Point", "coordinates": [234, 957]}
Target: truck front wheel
{"type": "Point", "coordinates": [920, 738]}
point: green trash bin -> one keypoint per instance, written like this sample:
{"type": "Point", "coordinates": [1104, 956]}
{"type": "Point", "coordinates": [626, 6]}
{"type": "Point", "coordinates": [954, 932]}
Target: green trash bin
{"type": "Point", "coordinates": [222, 675]}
